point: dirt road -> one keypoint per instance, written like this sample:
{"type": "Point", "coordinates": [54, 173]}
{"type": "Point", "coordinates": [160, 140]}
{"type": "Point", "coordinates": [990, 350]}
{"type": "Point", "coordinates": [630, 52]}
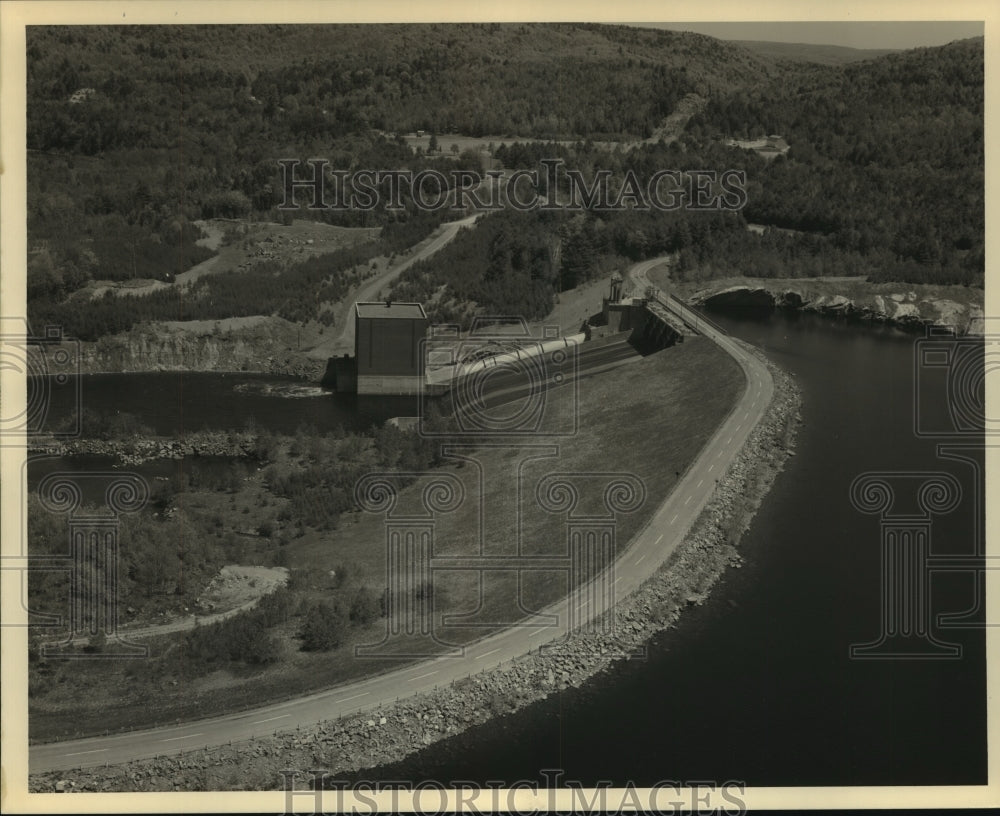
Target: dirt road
{"type": "Point", "coordinates": [343, 340]}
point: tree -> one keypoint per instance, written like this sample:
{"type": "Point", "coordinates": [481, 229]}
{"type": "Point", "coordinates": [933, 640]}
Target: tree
{"type": "Point", "coordinates": [433, 146]}
{"type": "Point", "coordinates": [324, 628]}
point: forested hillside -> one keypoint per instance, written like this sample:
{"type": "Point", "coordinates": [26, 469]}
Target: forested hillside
{"type": "Point", "coordinates": [886, 159]}
{"type": "Point", "coordinates": [134, 136]}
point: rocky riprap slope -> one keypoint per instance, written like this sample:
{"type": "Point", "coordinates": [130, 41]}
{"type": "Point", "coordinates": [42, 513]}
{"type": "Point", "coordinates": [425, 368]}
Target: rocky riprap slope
{"type": "Point", "coordinates": [144, 449]}
{"type": "Point", "coordinates": [911, 309]}
{"type": "Point", "coordinates": [376, 737]}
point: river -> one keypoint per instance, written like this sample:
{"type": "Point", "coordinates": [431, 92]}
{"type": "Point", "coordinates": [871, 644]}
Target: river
{"type": "Point", "coordinates": [173, 403]}
{"type": "Point", "coordinates": [757, 684]}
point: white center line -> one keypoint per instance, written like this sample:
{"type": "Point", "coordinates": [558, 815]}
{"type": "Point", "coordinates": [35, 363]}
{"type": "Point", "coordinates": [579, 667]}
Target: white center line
{"type": "Point", "coordinates": [687, 500]}
{"type": "Point", "coordinates": [538, 631]}
{"type": "Point", "coordinates": [270, 719]}
{"type": "Point", "coordinates": [488, 653]}
{"type": "Point", "coordinates": [659, 539]}
{"type": "Point", "coordinates": [674, 518]}
{"type": "Point", "coordinates": [701, 482]}
{"type": "Point", "coordinates": [355, 697]}
{"type": "Point", "coordinates": [637, 560]}
{"type": "Point", "coordinates": [81, 753]}
{"type": "Point", "coordinates": [421, 676]}
{"type": "Point", "coordinates": [186, 736]}
{"type": "Point", "coordinates": [710, 468]}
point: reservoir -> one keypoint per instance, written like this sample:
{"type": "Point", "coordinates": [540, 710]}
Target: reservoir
{"type": "Point", "coordinates": [758, 684]}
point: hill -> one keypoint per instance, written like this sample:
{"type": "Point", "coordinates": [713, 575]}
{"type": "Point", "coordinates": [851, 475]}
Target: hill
{"type": "Point", "coordinates": [135, 137]}
{"type": "Point", "coordinates": [810, 52]}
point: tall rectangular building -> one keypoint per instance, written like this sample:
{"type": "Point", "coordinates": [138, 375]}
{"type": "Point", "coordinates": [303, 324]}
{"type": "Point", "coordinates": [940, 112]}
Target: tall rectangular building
{"type": "Point", "coordinates": [387, 347]}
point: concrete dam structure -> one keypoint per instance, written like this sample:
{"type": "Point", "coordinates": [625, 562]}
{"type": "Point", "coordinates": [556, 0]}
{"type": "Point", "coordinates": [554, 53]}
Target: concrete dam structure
{"type": "Point", "coordinates": [649, 324]}
{"type": "Point", "coordinates": [391, 342]}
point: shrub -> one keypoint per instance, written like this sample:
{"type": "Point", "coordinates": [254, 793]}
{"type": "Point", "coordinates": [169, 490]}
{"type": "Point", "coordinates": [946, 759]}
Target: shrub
{"type": "Point", "coordinates": [323, 628]}
{"type": "Point", "coordinates": [365, 607]}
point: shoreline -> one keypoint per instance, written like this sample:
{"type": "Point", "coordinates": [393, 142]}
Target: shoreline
{"type": "Point", "coordinates": [142, 449]}
{"type": "Point", "coordinates": [401, 729]}
{"type": "Point", "coordinates": [910, 308]}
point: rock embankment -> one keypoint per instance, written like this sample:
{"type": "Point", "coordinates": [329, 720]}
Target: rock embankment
{"type": "Point", "coordinates": [907, 309]}
{"type": "Point", "coordinates": [376, 737]}
{"type": "Point", "coordinates": [137, 450]}
{"type": "Point", "coordinates": [269, 346]}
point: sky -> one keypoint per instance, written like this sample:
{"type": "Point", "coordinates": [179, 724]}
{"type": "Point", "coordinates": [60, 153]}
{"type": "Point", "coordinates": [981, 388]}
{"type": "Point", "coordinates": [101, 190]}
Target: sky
{"type": "Point", "coordinates": [880, 34]}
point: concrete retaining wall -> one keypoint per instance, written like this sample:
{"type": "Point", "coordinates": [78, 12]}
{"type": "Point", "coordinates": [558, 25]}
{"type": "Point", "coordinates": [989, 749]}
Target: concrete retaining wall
{"type": "Point", "coordinates": [398, 385]}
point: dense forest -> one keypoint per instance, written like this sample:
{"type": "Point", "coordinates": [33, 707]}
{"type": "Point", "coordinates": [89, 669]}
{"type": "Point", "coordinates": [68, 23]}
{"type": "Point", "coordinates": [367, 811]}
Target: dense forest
{"type": "Point", "coordinates": [134, 137]}
{"type": "Point", "coordinates": [517, 262]}
{"type": "Point", "coordinates": [886, 159]}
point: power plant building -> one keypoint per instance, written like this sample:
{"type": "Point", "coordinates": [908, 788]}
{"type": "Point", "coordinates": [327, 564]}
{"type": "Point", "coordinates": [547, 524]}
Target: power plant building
{"type": "Point", "coordinates": [388, 346]}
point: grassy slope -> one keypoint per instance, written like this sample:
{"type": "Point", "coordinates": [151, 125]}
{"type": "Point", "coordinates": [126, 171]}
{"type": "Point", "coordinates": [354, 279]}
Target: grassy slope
{"type": "Point", "coordinates": [687, 391]}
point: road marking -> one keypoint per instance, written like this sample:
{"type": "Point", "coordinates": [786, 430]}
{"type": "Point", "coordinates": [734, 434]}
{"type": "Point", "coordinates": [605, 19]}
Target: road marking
{"type": "Point", "coordinates": [355, 697]}
{"type": "Point", "coordinates": [488, 654]}
{"type": "Point", "coordinates": [687, 500]}
{"type": "Point", "coordinates": [701, 482]}
{"type": "Point", "coordinates": [729, 440]}
{"type": "Point", "coordinates": [674, 518]}
{"type": "Point", "coordinates": [660, 538]}
{"type": "Point", "coordinates": [269, 719]}
{"type": "Point", "coordinates": [637, 560]}
{"type": "Point", "coordinates": [538, 631]}
{"type": "Point", "coordinates": [186, 736]}
{"type": "Point", "coordinates": [81, 753]}
{"type": "Point", "coordinates": [710, 468]}
{"type": "Point", "coordinates": [718, 455]}
{"type": "Point", "coordinates": [420, 677]}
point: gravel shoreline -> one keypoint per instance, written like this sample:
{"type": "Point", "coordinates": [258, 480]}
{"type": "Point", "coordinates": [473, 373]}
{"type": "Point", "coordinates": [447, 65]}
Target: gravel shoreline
{"type": "Point", "coordinates": [389, 734]}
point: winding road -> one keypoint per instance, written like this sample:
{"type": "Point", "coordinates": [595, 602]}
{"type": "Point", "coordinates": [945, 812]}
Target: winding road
{"type": "Point", "coordinates": [650, 548]}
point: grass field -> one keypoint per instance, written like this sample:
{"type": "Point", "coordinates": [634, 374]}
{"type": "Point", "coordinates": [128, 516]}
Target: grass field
{"type": "Point", "coordinates": [649, 419]}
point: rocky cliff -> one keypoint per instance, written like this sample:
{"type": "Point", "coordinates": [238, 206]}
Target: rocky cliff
{"type": "Point", "coordinates": [269, 347]}
{"type": "Point", "coordinates": [911, 308]}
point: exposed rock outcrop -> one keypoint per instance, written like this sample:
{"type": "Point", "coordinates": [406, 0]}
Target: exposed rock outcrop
{"type": "Point", "coordinates": [907, 310]}
{"type": "Point", "coordinates": [270, 347]}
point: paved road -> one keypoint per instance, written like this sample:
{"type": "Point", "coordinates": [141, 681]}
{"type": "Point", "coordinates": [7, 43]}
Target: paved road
{"type": "Point", "coordinates": [648, 550]}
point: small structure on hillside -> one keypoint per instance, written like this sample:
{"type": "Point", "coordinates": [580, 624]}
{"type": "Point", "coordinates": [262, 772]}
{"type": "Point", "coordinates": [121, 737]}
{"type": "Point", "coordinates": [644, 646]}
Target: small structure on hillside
{"type": "Point", "coordinates": [619, 308]}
